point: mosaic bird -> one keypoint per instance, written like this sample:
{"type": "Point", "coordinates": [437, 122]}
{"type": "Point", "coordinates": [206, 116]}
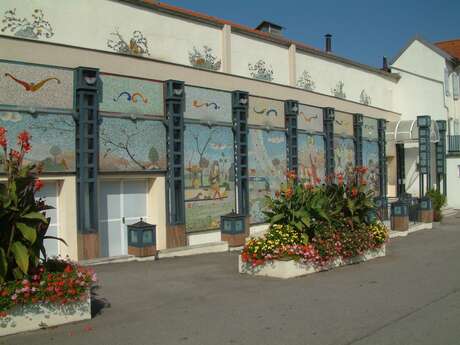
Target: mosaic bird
{"type": "Point", "coordinates": [32, 87]}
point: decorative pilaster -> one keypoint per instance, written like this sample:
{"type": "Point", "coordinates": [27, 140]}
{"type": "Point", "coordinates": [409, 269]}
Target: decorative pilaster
{"type": "Point", "coordinates": [87, 159]}
{"type": "Point", "coordinates": [424, 152]}
{"type": "Point", "coordinates": [328, 125]}
{"type": "Point", "coordinates": [175, 104]}
{"type": "Point", "coordinates": [240, 103]}
{"type": "Point", "coordinates": [383, 167]}
{"type": "Point", "coordinates": [441, 157]}
{"type": "Point", "coordinates": [291, 110]}
{"type": "Point", "coordinates": [358, 134]}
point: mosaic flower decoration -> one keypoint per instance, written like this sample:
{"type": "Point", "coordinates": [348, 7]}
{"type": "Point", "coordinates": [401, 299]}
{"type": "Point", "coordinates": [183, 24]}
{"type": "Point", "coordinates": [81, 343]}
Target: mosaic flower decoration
{"type": "Point", "coordinates": [306, 82]}
{"type": "Point", "coordinates": [204, 58]}
{"type": "Point", "coordinates": [364, 98]}
{"type": "Point", "coordinates": [137, 45]}
{"type": "Point", "coordinates": [261, 71]}
{"type": "Point", "coordinates": [338, 90]}
{"type": "Point", "coordinates": [36, 28]}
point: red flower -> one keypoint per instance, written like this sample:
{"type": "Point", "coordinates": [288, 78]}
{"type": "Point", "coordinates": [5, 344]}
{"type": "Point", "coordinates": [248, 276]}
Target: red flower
{"type": "Point", "coordinates": [68, 269]}
{"type": "Point", "coordinates": [15, 154]}
{"type": "Point", "coordinates": [23, 141]}
{"type": "Point", "coordinates": [38, 185]}
{"type": "Point", "coordinates": [3, 140]}
{"type": "Point", "coordinates": [277, 194]}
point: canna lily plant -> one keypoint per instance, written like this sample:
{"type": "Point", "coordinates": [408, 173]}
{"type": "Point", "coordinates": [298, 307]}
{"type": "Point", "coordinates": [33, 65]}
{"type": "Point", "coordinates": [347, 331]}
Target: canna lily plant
{"type": "Point", "coordinates": [23, 222]}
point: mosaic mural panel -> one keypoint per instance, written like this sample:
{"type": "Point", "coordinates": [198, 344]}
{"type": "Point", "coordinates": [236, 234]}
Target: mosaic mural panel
{"type": "Point", "coordinates": [131, 96]}
{"type": "Point", "coordinates": [370, 128]}
{"type": "Point", "coordinates": [266, 112]}
{"type": "Point", "coordinates": [310, 118]}
{"type": "Point", "coordinates": [209, 176]}
{"type": "Point", "coordinates": [127, 145]}
{"type": "Point", "coordinates": [371, 161]}
{"type": "Point", "coordinates": [344, 155]}
{"type": "Point", "coordinates": [35, 86]}
{"type": "Point", "coordinates": [52, 138]}
{"type": "Point", "coordinates": [311, 157]}
{"type": "Point", "coordinates": [267, 168]}
{"type": "Point", "coordinates": [343, 124]}
{"type": "Point", "coordinates": [208, 105]}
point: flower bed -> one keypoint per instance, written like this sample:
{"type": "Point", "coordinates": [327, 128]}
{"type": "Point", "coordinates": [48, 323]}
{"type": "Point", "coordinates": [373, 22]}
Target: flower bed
{"type": "Point", "coordinates": [56, 292]}
{"type": "Point", "coordinates": [35, 291]}
{"type": "Point", "coordinates": [315, 227]}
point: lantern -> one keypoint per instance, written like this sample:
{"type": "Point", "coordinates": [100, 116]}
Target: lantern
{"type": "Point", "coordinates": [142, 239]}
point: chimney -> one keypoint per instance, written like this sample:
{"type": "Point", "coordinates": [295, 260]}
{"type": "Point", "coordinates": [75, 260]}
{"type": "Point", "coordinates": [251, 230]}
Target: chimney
{"type": "Point", "coordinates": [328, 43]}
{"type": "Point", "coordinates": [385, 64]}
{"type": "Point", "coordinates": [271, 28]}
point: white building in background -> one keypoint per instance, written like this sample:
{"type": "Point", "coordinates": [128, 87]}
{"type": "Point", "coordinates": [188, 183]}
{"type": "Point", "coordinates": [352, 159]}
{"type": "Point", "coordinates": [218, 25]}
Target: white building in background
{"type": "Point", "coordinates": [429, 85]}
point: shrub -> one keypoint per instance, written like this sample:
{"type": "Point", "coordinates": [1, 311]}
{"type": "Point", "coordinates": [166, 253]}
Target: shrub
{"type": "Point", "coordinates": [439, 200]}
{"type": "Point", "coordinates": [22, 218]}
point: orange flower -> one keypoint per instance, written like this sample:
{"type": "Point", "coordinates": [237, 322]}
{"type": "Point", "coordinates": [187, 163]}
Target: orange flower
{"type": "Point", "coordinates": [289, 192]}
{"type": "Point", "coordinates": [354, 192]}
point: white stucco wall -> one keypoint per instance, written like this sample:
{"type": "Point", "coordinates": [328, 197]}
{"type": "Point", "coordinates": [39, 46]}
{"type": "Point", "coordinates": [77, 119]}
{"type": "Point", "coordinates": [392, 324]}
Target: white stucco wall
{"type": "Point", "coordinates": [248, 50]}
{"type": "Point", "coordinates": [326, 74]}
{"type": "Point", "coordinates": [85, 23]}
{"type": "Point", "coordinates": [453, 181]}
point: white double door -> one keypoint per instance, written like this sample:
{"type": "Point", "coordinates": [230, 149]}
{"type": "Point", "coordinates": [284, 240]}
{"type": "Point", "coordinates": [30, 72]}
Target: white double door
{"type": "Point", "coordinates": [49, 192]}
{"type": "Point", "coordinates": [121, 202]}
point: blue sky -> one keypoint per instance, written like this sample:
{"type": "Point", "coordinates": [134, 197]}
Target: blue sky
{"type": "Point", "coordinates": [362, 30]}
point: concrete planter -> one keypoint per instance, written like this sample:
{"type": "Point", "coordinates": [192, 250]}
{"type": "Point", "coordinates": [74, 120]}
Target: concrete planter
{"type": "Point", "coordinates": [291, 269]}
{"type": "Point", "coordinates": [43, 315]}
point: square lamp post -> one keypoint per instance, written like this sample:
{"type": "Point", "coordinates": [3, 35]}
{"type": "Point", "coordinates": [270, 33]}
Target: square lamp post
{"type": "Point", "coordinates": [426, 210]}
{"type": "Point", "coordinates": [142, 239]}
{"type": "Point", "coordinates": [233, 229]}
{"type": "Point", "coordinates": [399, 216]}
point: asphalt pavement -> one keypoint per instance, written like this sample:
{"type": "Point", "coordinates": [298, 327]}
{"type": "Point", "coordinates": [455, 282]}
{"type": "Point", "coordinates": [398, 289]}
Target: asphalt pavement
{"type": "Point", "coordinates": [411, 296]}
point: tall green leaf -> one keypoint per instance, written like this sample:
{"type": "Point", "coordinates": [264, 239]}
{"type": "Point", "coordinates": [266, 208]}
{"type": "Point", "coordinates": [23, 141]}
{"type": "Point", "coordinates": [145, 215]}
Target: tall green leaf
{"type": "Point", "coordinates": [21, 256]}
{"type": "Point", "coordinates": [3, 265]}
{"type": "Point", "coordinates": [35, 216]}
{"type": "Point", "coordinates": [29, 233]}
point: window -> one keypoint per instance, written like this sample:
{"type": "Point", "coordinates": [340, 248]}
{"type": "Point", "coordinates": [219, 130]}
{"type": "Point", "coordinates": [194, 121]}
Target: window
{"type": "Point", "coordinates": [446, 82]}
{"type": "Point", "coordinates": [455, 85]}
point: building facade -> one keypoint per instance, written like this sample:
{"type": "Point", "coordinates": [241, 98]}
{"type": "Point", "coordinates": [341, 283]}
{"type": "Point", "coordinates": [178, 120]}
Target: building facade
{"type": "Point", "coordinates": [178, 118]}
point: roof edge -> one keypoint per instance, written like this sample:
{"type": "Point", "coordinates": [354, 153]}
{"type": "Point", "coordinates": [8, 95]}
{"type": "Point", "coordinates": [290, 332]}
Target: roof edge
{"type": "Point", "coordinates": [239, 28]}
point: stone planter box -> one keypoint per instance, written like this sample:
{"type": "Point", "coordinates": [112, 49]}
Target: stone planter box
{"type": "Point", "coordinates": [291, 269]}
{"type": "Point", "coordinates": [43, 315]}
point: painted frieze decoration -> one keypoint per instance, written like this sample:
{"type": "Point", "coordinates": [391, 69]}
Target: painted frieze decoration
{"type": "Point", "coordinates": [338, 91]}
{"type": "Point", "coordinates": [267, 168]}
{"type": "Point", "coordinates": [208, 105]}
{"type": "Point", "coordinates": [310, 118]}
{"type": "Point", "coordinates": [370, 128]}
{"type": "Point", "coordinates": [131, 96]}
{"type": "Point", "coordinates": [371, 161]}
{"type": "Point", "coordinates": [344, 155]}
{"type": "Point", "coordinates": [364, 98]}
{"type": "Point", "coordinates": [131, 145]}
{"type": "Point", "coordinates": [204, 58]}
{"type": "Point", "coordinates": [137, 44]}
{"type": "Point", "coordinates": [311, 157]}
{"type": "Point", "coordinates": [266, 112]}
{"type": "Point", "coordinates": [306, 82]}
{"type": "Point", "coordinates": [36, 27]}
{"type": "Point", "coordinates": [35, 86]}
{"type": "Point", "coordinates": [209, 176]}
{"type": "Point", "coordinates": [261, 71]}
{"type": "Point", "coordinates": [52, 139]}
{"type": "Point", "coordinates": [343, 124]}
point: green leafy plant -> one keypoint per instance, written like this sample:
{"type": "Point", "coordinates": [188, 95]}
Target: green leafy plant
{"type": "Point", "coordinates": [439, 200]}
{"type": "Point", "coordinates": [22, 218]}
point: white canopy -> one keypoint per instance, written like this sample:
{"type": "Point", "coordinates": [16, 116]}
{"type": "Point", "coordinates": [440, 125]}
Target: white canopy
{"type": "Point", "coordinates": [406, 131]}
